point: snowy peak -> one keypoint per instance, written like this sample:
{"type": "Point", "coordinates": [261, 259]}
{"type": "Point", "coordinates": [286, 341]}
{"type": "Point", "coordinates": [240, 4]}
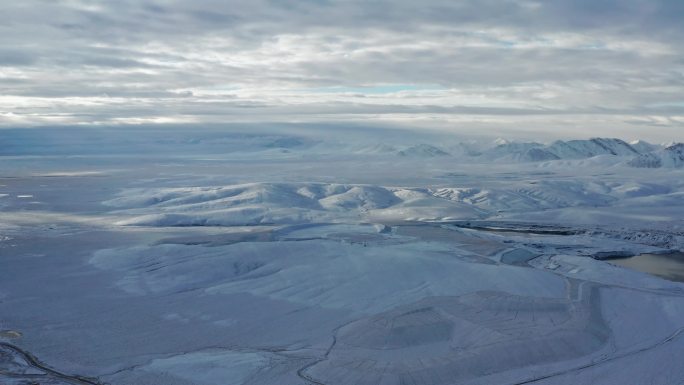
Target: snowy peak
{"type": "Point", "coordinates": [671, 156]}
{"type": "Point", "coordinates": [592, 147]}
{"type": "Point", "coordinates": [675, 148]}
{"type": "Point", "coordinates": [643, 147]}
{"type": "Point", "coordinates": [573, 149]}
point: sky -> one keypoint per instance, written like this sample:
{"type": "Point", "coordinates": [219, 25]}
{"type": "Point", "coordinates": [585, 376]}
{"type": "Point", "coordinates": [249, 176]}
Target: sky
{"type": "Point", "coordinates": [554, 68]}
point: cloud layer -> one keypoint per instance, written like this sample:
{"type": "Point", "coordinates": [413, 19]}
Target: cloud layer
{"type": "Point", "coordinates": [562, 68]}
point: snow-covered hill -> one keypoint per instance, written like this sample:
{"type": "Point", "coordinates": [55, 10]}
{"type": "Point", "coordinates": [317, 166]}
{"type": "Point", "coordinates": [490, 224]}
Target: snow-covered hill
{"type": "Point", "coordinates": [288, 203]}
{"type": "Point", "coordinates": [281, 203]}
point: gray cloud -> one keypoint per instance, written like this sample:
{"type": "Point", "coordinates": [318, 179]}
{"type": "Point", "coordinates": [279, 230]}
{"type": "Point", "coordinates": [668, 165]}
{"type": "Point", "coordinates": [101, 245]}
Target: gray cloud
{"type": "Point", "coordinates": [543, 64]}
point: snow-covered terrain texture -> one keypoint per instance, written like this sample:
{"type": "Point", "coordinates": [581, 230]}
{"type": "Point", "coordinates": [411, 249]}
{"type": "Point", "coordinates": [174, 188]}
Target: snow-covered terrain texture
{"type": "Point", "coordinates": [280, 257]}
{"type": "Point", "coordinates": [280, 203]}
{"type": "Point", "coordinates": [329, 273]}
{"type": "Point", "coordinates": [573, 149]}
{"type": "Point", "coordinates": [505, 151]}
{"type": "Point", "coordinates": [444, 340]}
{"type": "Point", "coordinates": [670, 156]}
{"type": "Point", "coordinates": [422, 150]}
{"type": "Point", "coordinates": [640, 205]}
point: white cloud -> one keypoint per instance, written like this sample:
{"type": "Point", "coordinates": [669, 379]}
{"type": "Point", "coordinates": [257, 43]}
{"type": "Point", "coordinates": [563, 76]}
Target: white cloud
{"type": "Point", "coordinates": [603, 62]}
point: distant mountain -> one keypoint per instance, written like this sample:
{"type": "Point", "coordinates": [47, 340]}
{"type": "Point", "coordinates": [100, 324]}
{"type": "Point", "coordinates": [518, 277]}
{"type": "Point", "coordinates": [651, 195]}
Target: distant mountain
{"type": "Point", "coordinates": [539, 154]}
{"type": "Point", "coordinates": [423, 151]}
{"type": "Point", "coordinates": [416, 151]}
{"type": "Point", "coordinates": [377, 149]}
{"type": "Point", "coordinates": [671, 156]}
{"type": "Point", "coordinates": [470, 149]}
{"type": "Point", "coordinates": [512, 151]}
{"type": "Point", "coordinates": [644, 147]}
{"type": "Point", "coordinates": [592, 147]}
{"type": "Point", "coordinates": [572, 149]}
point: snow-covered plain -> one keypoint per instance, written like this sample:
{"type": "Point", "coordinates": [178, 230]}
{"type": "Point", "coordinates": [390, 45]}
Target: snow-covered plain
{"type": "Point", "coordinates": [283, 256]}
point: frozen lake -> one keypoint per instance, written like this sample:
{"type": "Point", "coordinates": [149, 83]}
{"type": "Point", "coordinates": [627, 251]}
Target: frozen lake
{"type": "Point", "coordinates": [669, 266]}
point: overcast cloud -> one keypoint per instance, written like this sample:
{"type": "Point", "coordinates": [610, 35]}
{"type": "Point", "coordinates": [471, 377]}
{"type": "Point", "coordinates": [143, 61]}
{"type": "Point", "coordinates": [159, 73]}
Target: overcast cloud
{"type": "Point", "coordinates": [563, 68]}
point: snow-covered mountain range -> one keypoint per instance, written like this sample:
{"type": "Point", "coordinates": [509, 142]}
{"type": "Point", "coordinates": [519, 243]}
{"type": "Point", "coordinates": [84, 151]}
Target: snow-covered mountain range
{"type": "Point", "coordinates": [635, 154]}
{"type": "Point", "coordinates": [670, 156]}
{"type": "Point", "coordinates": [338, 142]}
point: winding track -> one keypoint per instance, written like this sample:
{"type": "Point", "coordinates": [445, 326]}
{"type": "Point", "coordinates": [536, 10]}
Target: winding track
{"type": "Point", "coordinates": [33, 362]}
{"type": "Point", "coordinates": [671, 338]}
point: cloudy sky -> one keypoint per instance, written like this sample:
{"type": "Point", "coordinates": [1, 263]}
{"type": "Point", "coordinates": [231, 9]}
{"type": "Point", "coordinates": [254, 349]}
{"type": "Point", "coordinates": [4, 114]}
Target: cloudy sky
{"type": "Point", "coordinates": [559, 68]}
